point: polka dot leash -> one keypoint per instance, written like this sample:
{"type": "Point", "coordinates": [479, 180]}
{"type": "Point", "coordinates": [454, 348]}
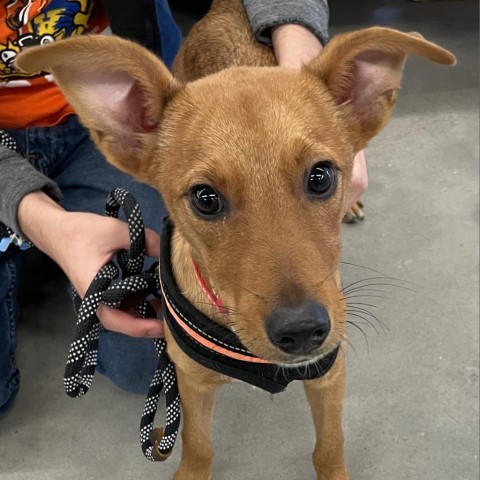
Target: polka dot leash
{"type": "Point", "coordinates": [131, 291]}
{"type": "Point", "coordinates": [7, 140]}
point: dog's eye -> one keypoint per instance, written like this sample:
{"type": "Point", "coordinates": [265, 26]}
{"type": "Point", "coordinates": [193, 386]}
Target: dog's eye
{"type": "Point", "coordinates": [321, 179]}
{"type": "Point", "coordinates": [206, 201]}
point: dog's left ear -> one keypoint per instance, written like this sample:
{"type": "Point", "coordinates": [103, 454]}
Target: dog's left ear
{"type": "Point", "coordinates": [118, 89]}
{"type": "Point", "coordinates": [363, 72]}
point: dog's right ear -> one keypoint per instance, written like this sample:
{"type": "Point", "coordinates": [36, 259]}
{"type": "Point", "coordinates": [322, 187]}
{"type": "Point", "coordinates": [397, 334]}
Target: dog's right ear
{"type": "Point", "coordinates": [118, 89]}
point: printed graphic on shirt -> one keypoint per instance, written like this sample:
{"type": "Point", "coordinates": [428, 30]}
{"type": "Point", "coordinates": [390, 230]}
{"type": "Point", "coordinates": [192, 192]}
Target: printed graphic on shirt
{"type": "Point", "coordinates": [24, 23]}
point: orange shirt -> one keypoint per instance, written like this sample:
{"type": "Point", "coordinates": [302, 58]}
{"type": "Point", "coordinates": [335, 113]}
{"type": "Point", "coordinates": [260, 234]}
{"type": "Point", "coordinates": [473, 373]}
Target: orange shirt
{"type": "Point", "coordinates": [35, 100]}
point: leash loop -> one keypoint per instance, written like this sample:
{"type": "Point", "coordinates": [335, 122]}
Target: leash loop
{"type": "Point", "coordinates": [130, 292]}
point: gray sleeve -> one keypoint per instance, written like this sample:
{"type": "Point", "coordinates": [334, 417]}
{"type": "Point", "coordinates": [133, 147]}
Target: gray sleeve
{"type": "Point", "coordinates": [265, 14]}
{"type": "Point", "coordinates": [17, 178]}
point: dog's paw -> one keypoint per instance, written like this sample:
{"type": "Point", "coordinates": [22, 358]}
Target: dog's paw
{"type": "Point", "coordinates": [343, 476]}
{"type": "Point", "coordinates": [355, 214]}
{"type": "Point", "coordinates": [337, 474]}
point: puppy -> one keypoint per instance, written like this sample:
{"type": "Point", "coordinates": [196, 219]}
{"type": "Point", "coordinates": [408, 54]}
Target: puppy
{"type": "Point", "coordinates": [253, 163]}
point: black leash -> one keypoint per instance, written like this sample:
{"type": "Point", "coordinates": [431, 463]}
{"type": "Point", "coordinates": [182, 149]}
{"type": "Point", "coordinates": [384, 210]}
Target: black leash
{"type": "Point", "coordinates": [135, 286]}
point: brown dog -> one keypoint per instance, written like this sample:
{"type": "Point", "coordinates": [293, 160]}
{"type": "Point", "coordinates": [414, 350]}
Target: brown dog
{"type": "Point", "coordinates": [253, 162]}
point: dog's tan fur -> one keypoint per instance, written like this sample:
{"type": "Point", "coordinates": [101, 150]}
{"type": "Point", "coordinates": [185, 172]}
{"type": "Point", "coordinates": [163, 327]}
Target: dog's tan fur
{"type": "Point", "coordinates": [231, 119]}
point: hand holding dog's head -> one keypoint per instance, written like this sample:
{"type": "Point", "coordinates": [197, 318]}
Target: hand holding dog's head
{"type": "Point", "coordinates": [270, 149]}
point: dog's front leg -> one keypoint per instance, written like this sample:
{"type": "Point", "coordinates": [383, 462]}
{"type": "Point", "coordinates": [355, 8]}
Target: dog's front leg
{"type": "Point", "coordinates": [197, 400]}
{"type": "Point", "coordinates": [325, 396]}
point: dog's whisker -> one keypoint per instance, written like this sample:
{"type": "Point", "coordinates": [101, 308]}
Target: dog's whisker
{"type": "Point", "coordinates": [354, 308]}
{"type": "Point", "coordinates": [363, 333]}
{"type": "Point", "coordinates": [346, 287]}
{"type": "Point", "coordinates": [364, 311]}
{"type": "Point", "coordinates": [365, 323]}
{"type": "Point", "coordinates": [343, 351]}
{"type": "Point", "coordinates": [362, 266]}
{"type": "Point", "coordinates": [348, 297]}
{"type": "Point", "coordinates": [366, 289]}
{"type": "Point", "coordinates": [345, 339]}
{"type": "Point", "coordinates": [375, 284]}
{"type": "Point", "coordinates": [369, 322]}
{"type": "Point", "coordinates": [364, 304]}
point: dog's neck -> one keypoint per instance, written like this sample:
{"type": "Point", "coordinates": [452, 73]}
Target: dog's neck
{"type": "Point", "coordinates": [189, 285]}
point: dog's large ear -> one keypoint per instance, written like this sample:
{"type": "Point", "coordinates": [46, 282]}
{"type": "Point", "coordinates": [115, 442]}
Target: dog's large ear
{"type": "Point", "coordinates": [363, 71]}
{"type": "Point", "coordinates": [118, 89]}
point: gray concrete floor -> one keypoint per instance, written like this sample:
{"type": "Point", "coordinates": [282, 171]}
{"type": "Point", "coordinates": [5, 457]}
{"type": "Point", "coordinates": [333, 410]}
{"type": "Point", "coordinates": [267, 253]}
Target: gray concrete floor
{"type": "Point", "coordinates": [412, 402]}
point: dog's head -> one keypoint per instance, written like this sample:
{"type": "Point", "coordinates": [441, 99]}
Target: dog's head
{"type": "Point", "coordinates": [253, 164]}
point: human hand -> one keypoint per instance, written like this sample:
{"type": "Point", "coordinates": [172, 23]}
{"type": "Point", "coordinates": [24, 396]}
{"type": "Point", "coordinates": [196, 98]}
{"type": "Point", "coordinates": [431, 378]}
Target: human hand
{"type": "Point", "coordinates": [81, 243]}
{"type": "Point", "coordinates": [294, 45]}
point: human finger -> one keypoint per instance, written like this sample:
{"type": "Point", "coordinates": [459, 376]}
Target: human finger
{"type": "Point", "coordinates": [152, 243]}
{"type": "Point", "coordinates": [120, 321]}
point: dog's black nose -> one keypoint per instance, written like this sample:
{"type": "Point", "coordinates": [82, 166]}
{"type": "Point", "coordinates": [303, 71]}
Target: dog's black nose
{"type": "Point", "coordinates": [298, 330]}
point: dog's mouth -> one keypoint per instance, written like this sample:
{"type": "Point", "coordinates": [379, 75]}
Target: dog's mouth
{"type": "Point", "coordinates": [319, 364]}
{"type": "Point", "coordinates": [305, 362]}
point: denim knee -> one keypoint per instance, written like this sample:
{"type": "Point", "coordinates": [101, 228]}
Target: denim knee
{"type": "Point", "coordinates": [129, 362]}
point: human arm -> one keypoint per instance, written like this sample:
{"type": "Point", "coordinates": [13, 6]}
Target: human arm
{"type": "Point", "coordinates": [264, 15]}
{"type": "Point", "coordinates": [17, 179]}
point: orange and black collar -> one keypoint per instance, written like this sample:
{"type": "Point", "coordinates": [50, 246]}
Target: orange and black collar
{"type": "Point", "coordinates": [217, 347]}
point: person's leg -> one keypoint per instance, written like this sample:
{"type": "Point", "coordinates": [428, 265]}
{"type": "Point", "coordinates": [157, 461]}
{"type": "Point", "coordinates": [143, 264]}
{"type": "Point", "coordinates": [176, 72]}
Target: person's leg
{"type": "Point", "coordinates": [86, 179]}
{"type": "Point", "coordinates": [10, 268]}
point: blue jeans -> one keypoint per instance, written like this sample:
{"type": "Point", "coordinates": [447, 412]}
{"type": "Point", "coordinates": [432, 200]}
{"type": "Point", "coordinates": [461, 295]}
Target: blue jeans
{"type": "Point", "coordinates": [66, 154]}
